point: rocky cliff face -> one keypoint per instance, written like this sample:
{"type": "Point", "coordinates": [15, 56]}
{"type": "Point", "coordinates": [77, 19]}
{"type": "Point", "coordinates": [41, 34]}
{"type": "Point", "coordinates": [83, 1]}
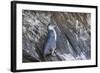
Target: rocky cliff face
{"type": "Point", "coordinates": [73, 35]}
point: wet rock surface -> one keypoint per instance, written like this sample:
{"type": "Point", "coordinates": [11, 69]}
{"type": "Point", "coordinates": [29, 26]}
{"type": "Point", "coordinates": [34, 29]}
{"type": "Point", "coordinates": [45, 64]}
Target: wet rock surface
{"type": "Point", "coordinates": [73, 35]}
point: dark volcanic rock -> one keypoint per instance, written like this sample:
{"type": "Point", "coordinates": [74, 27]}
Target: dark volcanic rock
{"type": "Point", "coordinates": [73, 35]}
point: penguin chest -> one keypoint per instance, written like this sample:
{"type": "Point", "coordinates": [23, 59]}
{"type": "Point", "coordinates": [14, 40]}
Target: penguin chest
{"type": "Point", "coordinates": [51, 40]}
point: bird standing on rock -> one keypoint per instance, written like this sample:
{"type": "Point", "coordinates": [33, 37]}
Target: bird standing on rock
{"type": "Point", "coordinates": [50, 46]}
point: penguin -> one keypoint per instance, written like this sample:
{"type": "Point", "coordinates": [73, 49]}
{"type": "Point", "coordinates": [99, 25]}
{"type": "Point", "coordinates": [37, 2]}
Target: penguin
{"type": "Point", "coordinates": [50, 46]}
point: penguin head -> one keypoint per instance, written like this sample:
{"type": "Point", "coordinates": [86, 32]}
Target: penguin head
{"type": "Point", "coordinates": [51, 27]}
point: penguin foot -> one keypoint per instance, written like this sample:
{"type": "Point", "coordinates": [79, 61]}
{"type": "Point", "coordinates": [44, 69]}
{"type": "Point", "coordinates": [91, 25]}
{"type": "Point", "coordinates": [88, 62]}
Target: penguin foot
{"type": "Point", "coordinates": [53, 53]}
